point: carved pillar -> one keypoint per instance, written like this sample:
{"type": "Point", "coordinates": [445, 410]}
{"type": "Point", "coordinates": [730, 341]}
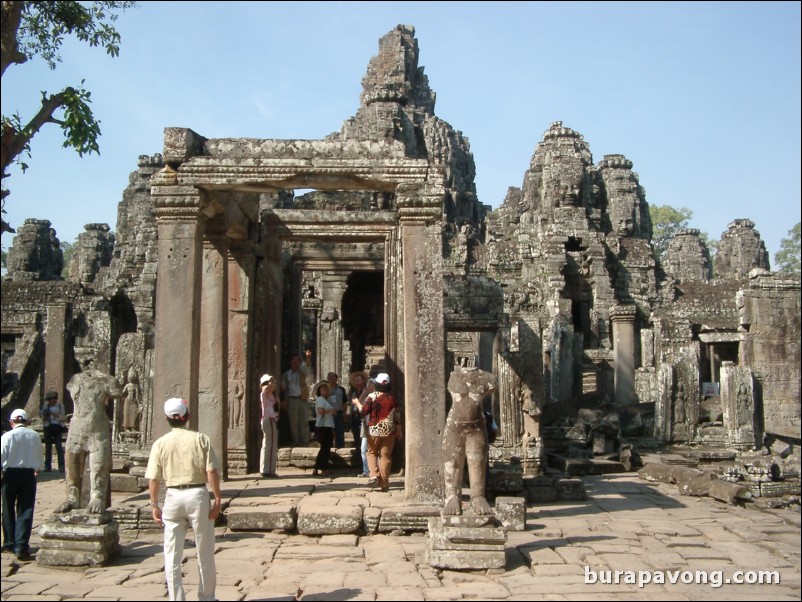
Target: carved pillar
{"type": "Point", "coordinates": [331, 330]}
{"type": "Point", "coordinates": [420, 215]}
{"type": "Point", "coordinates": [181, 223]}
{"type": "Point", "coordinates": [240, 388]}
{"type": "Point", "coordinates": [664, 407]}
{"type": "Point", "coordinates": [54, 348]}
{"type": "Point", "coordinates": [213, 374]}
{"type": "Point", "coordinates": [623, 318]}
{"type": "Point", "coordinates": [738, 401]}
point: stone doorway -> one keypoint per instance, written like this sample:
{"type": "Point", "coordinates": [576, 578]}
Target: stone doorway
{"type": "Point", "coordinates": [363, 319]}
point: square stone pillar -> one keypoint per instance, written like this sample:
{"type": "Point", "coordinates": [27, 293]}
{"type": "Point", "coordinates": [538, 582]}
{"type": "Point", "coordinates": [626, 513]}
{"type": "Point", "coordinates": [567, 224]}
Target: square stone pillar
{"type": "Point", "coordinates": [331, 329]}
{"type": "Point", "coordinates": [181, 223]}
{"type": "Point", "coordinates": [623, 319]}
{"type": "Point", "coordinates": [213, 373]}
{"type": "Point", "coordinates": [241, 386]}
{"type": "Point", "coordinates": [55, 336]}
{"type": "Point", "coordinates": [420, 215]}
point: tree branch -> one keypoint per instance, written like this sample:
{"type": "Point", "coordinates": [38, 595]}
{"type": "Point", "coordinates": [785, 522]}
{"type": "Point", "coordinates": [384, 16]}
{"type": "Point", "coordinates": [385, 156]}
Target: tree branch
{"type": "Point", "coordinates": [9, 51]}
{"type": "Point", "coordinates": [14, 140]}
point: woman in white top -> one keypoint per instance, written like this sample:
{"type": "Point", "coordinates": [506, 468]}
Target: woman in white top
{"type": "Point", "coordinates": [269, 455]}
{"type": "Point", "coordinates": [324, 427]}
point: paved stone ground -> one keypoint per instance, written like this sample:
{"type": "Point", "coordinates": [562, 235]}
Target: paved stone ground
{"type": "Point", "coordinates": [625, 525]}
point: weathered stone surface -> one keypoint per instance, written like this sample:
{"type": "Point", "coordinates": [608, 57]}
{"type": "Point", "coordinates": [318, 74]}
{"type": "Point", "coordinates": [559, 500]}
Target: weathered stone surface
{"type": "Point", "coordinates": [731, 493]}
{"type": "Point", "coordinates": [571, 489]}
{"type": "Point", "coordinates": [465, 547]}
{"type": "Point", "coordinates": [407, 518]}
{"type": "Point", "coordinates": [656, 472]}
{"type": "Point", "coordinates": [511, 512]}
{"type": "Point", "coordinates": [263, 518]}
{"type": "Point", "coordinates": [124, 482]}
{"type": "Point", "coordinates": [35, 253]}
{"type": "Point", "coordinates": [329, 520]}
{"type": "Point", "coordinates": [371, 518]}
{"type": "Point", "coordinates": [740, 250]}
{"type": "Point", "coordinates": [688, 258]}
{"type": "Point", "coordinates": [71, 544]}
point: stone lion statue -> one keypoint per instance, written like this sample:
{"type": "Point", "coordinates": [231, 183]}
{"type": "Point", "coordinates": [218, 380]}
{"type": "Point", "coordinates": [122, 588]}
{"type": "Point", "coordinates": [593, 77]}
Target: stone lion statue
{"type": "Point", "coordinates": [465, 438]}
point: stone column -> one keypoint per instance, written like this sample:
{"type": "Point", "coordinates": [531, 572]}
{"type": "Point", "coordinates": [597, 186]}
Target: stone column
{"type": "Point", "coordinates": [213, 374]}
{"type": "Point", "coordinates": [623, 319]}
{"type": "Point", "coordinates": [241, 268]}
{"type": "Point", "coordinates": [420, 215]}
{"type": "Point", "coordinates": [54, 348]}
{"type": "Point", "coordinates": [181, 223]}
{"type": "Point", "coordinates": [331, 331]}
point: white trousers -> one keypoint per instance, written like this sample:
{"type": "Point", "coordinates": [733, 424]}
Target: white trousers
{"type": "Point", "coordinates": [184, 508]}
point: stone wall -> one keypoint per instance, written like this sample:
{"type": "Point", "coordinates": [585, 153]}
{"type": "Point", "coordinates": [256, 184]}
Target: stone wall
{"type": "Point", "coordinates": [769, 316]}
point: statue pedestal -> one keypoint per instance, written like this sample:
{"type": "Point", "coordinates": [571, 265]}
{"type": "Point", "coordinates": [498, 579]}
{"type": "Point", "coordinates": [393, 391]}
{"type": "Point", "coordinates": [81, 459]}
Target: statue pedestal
{"type": "Point", "coordinates": [78, 538]}
{"type": "Point", "coordinates": [467, 541]}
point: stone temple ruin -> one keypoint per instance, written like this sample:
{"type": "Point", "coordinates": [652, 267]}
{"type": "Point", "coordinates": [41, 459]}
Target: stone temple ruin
{"type": "Point", "coordinates": [370, 247]}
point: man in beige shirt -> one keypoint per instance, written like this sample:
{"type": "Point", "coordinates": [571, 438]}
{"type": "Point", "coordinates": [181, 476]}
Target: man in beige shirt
{"type": "Point", "coordinates": [185, 461]}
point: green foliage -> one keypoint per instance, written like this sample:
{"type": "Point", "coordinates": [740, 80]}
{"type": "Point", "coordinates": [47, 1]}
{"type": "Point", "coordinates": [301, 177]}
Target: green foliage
{"type": "Point", "coordinates": [787, 259]}
{"type": "Point", "coordinates": [67, 249]}
{"type": "Point", "coordinates": [45, 24]}
{"type": "Point", "coordinates": [38, 29]}
{"type": "Point", "coordinates": [81, 129]}
{"type": "Point", "coordinates": [666, 222]}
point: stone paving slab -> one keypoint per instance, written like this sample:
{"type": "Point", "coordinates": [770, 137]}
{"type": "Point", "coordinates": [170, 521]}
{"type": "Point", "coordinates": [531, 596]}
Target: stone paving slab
{"type": "Point", "coordinates": [624, 525]}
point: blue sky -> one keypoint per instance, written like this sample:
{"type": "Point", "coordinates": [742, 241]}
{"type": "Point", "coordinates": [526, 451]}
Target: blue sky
{"type": "Point", "coordinates": [704, 98]}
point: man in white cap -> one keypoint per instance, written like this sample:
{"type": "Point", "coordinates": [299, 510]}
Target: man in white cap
{"type": "Point", "coordinates": [185, 461]}
{"type": "Point", "coordinates": [22, 460]}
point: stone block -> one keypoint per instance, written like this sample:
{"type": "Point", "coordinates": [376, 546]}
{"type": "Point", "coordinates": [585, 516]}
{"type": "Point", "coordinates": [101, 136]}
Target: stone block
{"type": "Point", "coordinates": [781, 448]}
{"type": "Point", "coordinates": [371, 518]}
{"type": "Point", "coordinates": [407, 518]}
{"type": "Point", "coordinates": [303, 457]}
{"type": "Point", "coordinates": [511, 512]}
{"type": "Point", "coordinates": [778, 489]}
{"type": "Point", "coordinates": [329, 520]}
{"type": "Point", "coordinates": [571, 490]}
{"type": "Point", "coordinates": [541, 495]}
{"type": "Point", "coordinates": [125, 483]}
{"type": "Point", "coordinates": [476, 548]}
{"type": "Point", "coordinates": [505, 477]}
{"type": "Point", "coordinates": [262, 518]}
{"type": "Point", "coordinates": [65, 543]}
{"type": "Point", "coordinates": [729, 492]}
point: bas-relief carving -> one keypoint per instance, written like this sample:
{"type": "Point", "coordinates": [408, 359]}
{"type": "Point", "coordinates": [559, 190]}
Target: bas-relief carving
{"type": "Point", "coordinates": [132, 402]}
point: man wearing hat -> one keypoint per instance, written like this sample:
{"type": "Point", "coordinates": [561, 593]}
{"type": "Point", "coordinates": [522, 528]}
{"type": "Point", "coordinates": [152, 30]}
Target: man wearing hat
{"type": "Point", "coordinates": [21, 461]}
{"type": "Point", "coordinates": [53, 427]}
{"type": "Point", "coordinates": [185, 461]}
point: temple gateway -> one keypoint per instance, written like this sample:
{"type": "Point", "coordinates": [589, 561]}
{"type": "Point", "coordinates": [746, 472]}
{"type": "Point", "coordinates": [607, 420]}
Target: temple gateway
{"type": "Point", "coordinates": [370, 248]}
